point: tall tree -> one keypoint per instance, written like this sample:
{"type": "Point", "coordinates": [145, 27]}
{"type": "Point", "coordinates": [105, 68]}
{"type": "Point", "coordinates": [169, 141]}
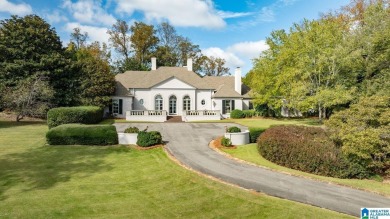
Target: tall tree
{"type": "Point", "coordinates": [120, 38]}
{"type": "Point", "coordinates": [78, 38]}
{"type": "Point", "coordinates": [97, 82]}
{"type": "Point", "coordinates": [213, 66]}
{"type": "Point", "coordinates": [143, 41]}
{"type": "Point", "coordinates": [29, 48]}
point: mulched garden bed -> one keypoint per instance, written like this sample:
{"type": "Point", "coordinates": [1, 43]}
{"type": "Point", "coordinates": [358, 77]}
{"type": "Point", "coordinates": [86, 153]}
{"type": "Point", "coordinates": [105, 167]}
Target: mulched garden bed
{"type": "Point", "coordinates": [216, 143]}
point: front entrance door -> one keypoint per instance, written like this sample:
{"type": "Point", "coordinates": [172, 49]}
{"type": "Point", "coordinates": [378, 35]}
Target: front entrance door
{"type": "Point", "coordinates": [172, 105]}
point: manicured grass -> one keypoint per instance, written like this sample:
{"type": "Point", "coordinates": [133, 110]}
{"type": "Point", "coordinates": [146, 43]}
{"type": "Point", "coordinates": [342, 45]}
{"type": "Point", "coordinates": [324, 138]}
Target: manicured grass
{"type": "Point", "coordinates": [40, 181]}
{"type": "Point", "coordinates": [249, 153]}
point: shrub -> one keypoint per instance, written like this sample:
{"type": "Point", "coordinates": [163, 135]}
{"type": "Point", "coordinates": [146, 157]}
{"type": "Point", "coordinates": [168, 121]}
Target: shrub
{"type": "Point", "coordinates": [362, 131]}
{"type": "Point", "coordinates": [236, 114]}
{"type": "Point", "coordinates": [249, 113]}
{"type": "Point", "coordinates": [307, 149]}
{"type": "Point", "coordinates": [78, 134]}
{"type": "Point", "coordinates": [132, 130]}
{"type": "Point", "coordinates": [226, 142]}
{"type": "Point", "coordinates": [233, 129]}
{"type": "Point", "coordinates": [146, 139]}
{"type": "Point", "coordinates": [80, 114]}
{"type": "Point", "coordinates": [254, 134]}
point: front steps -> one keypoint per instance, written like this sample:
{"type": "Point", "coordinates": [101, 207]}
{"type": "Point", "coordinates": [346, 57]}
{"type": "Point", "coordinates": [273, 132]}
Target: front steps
{"type": "Point", "coordinates": [174, 119]}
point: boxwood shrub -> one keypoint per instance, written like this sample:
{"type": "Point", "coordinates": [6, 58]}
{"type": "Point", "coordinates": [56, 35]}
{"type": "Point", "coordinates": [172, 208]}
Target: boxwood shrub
{"type": "Point", "coordinates": [147, 139]}
{"type": "Point", "coordinates": [254, 134]}
{"type": "Point", "coordinates": [308, 149]}
{"type": "Point", "coordinates": [226, 142]}
{"type": "Point", "coordinates": [236, 114]}
{"type": "Point", "coordinates": [233, 129]}
{"type": "Point", "coordinates": [249, 113]}
{"type": "Point", "coordinates": [79, 114]}
{"type": "Point", "coordinates": [132, 130]}
{"type": "Point", "coordinates": [79, 134]}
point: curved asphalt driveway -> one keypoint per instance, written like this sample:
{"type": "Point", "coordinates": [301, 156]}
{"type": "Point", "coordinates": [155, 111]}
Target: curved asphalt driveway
{"type": "Point", "coordinates": [188, 142]}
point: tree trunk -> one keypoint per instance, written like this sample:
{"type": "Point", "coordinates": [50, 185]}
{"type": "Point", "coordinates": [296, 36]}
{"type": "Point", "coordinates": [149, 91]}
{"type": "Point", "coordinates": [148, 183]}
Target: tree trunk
{"type": "Point", "coordinates": [19, 117]}
{"type": "Point", "coordinates": [320, 113]}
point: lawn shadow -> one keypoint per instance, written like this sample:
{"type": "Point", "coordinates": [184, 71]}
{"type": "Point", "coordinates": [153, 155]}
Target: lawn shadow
{"type": "Point", "coordinates": [13, 124]}
{"type": "Point", "coordinates": [46, 166]}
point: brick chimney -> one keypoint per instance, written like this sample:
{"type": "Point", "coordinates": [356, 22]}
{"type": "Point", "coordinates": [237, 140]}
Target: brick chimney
{"type": "Point", "coordinates": [237, 80]}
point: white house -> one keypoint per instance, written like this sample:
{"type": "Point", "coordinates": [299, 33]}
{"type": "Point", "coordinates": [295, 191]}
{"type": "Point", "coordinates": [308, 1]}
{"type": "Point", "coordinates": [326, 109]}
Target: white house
{"type": "Point", "coordinates": [177, 91]}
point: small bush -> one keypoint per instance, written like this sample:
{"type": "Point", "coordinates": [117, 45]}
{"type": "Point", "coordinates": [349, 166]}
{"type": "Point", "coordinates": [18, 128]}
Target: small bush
{"type": "Point", "coordinates": [254, 134]}
{"type": "Point", "coordinates": [147, 139]}
{"type": "Point", "coordinates": [236, 114]}
{"type": "Point", "coordinates": [132, 130]}
{"type": "Point", "coordinates": [249, 113]}
{"type": "Point", "coordinates": [226, 142]}
{"type": "Point", "coordinates": [78, 134]}
{"type": "Point", "coordinates": [307, 149]}
{"type": "Point", "coordinates": [80, 114]}
{"type": "Point", "coordinates": [233, 129]}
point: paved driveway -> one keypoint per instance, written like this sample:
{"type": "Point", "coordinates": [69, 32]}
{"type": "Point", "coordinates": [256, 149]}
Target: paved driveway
{"type": "Point", "coordinates": [188, 142]}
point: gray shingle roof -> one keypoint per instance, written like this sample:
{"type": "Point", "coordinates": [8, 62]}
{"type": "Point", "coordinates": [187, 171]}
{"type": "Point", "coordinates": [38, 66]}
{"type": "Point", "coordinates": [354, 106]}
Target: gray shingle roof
{"type": "Point", "coordinates": [147, 79]}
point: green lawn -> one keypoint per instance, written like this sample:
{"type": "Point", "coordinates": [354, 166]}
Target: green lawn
{"type": "Point", "coordinates": [249, 153]}
{"type": "Point", "coordinates": [40, 181]}
{"type": "Point", "coordinates": [265, 122]}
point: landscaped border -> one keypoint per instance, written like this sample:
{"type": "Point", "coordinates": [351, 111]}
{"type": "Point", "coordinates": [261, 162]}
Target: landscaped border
{"type": "Point", "coordinates": [218, 150]}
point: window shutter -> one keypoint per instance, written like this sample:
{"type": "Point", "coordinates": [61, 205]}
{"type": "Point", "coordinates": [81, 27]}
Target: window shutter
{"type": "Point", "coordinates": [223, 106]}
{"type": "Point", "coordinates": [120, 106]}
{"type": "Point", "coordinates": [233, 105]}
{"type": "Point", "coordinates": [110, 108]}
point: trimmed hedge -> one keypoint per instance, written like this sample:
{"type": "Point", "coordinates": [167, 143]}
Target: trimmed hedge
{"type": "Point", "coordinates": [233, 129]}
{"type": "Point", "coordinates": [132, 130]}
{"type": "Point", "coordinates": [146, 139]}
{"type": "Point", "coordinates": [236, 114]}
{"type": "Point", "coordinates": [79, 134]}
{"type": "Point", "coordinates": [226, 142]}
{"type": "Point", "coordinates": [307, 149]}
{"type": "Point", "coordinates": [254, 134]}
{"type": "Point", "coordinates": [79, 114]}
{"type": "Point", "coordinates": [249, 113]}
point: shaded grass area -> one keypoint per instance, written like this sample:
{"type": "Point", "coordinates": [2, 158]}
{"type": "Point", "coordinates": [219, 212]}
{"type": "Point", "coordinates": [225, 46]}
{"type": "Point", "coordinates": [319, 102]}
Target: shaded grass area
{"type": "Point", "coordinates": [40, 181]}
{"type": "Point", "coordinates": [250, 153]}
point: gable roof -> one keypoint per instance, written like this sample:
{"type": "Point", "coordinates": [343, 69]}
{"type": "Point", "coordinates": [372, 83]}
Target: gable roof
{"type": "Point", "coordinates": [224, 85]}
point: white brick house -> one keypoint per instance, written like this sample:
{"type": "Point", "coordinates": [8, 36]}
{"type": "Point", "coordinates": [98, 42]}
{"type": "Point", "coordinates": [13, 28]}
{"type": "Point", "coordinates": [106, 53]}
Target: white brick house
{"type": "Point", "coordinates": [177, 91]}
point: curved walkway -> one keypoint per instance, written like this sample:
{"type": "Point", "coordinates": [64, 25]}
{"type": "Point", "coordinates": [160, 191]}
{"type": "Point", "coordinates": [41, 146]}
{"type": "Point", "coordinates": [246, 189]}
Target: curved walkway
{"type": "Point", "coordinates": [188, 142]}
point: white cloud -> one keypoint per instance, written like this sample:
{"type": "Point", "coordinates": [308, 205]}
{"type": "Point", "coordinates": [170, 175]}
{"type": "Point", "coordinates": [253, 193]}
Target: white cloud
{"type": "Point", "coordinates": [17, 9]}
{"type": "Point", "coordinates": [229, 14]}
{"type": "Point", "coordinates": [89, 12]}
{"type": "Point", "coordinates": [194, 13]}
{"type": "Point", "coordinates": [232, 60]}
{"type": "Point", "coordinates": [56, 17]}
{"type": "Point", "coordinates": [249, 49]}
{"type": "Point", "coordinates": [94, 33]}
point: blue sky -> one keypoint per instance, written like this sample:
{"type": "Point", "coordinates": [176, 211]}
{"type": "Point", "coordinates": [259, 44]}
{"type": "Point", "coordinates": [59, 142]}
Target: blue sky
{"type": "Point", "coordinates": [231, 29]}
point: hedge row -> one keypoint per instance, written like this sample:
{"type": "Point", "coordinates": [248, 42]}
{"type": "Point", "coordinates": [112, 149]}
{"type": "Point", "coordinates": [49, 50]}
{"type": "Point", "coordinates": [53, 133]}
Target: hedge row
{"type": "Point", "coordinates": [254, 134]}
{"type": "Point", "coordinates": [78, 134]}
{"type": "Point", "coordinates": [80, 114]}
{"type": "Point", "coordinates": [307, 149]}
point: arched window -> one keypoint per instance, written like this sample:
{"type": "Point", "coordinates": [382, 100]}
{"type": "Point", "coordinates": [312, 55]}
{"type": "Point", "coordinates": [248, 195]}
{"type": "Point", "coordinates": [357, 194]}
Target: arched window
{"type": "Point", "coordinates": [158, 102]}
{"type": "Point", "coordinates": [172, 105]}
{"type": "Point", "coordinates": [186, 103]}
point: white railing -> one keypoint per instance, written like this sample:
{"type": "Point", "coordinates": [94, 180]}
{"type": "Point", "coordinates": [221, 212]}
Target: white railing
{"type": "Point", "coordinates": [197, 115]}
{"type": "Point", "coordinates": [146, 115]}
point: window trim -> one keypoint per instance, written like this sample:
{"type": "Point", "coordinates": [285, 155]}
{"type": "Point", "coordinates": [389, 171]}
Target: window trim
{"type": "Point", "coordinates": [186, 102]}
{"type": "Point", "coordinates": [158, 103]}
